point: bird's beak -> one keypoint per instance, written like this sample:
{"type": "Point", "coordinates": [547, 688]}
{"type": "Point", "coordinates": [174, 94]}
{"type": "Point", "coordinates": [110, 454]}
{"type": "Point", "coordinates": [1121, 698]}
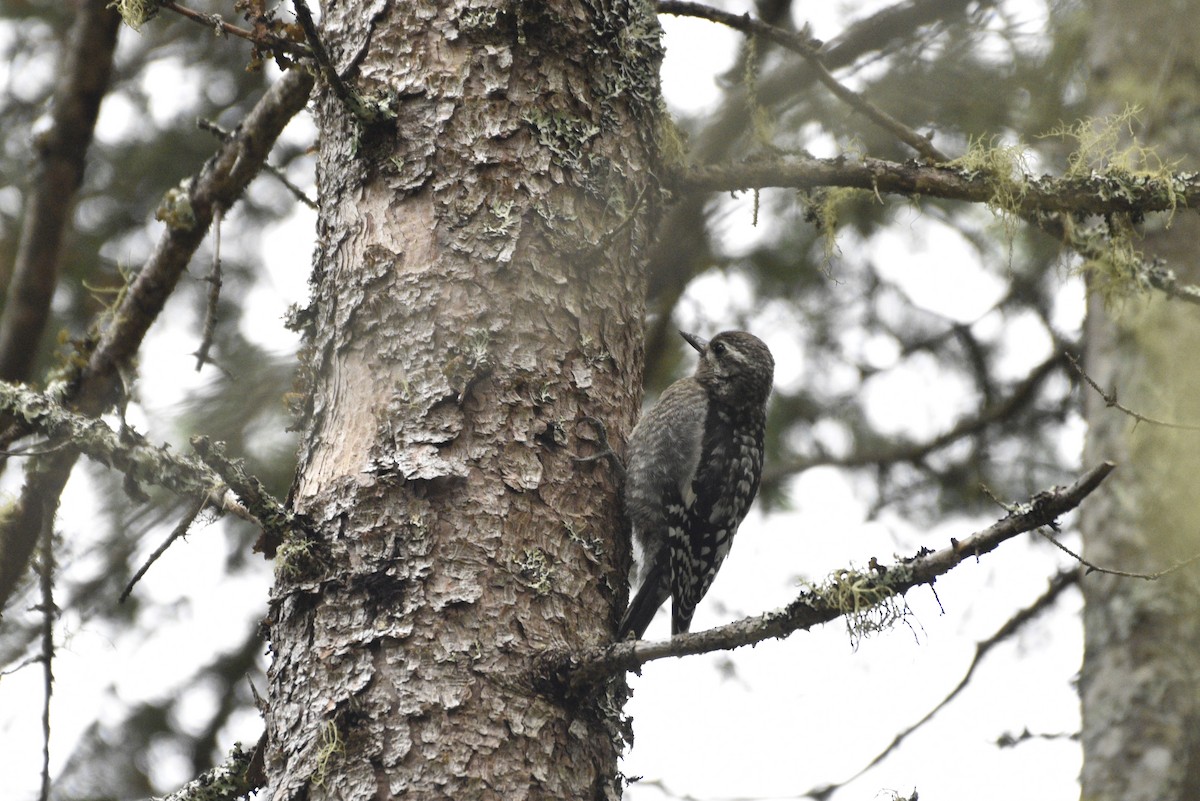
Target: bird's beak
{"type": "Point", "coordinates": [695, 341]}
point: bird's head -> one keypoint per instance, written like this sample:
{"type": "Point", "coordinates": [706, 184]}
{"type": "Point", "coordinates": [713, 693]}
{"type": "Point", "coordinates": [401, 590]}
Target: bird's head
{"type": "Point", "coordinates": [736, 367]}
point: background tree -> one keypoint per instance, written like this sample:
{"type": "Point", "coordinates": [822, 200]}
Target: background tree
{"type": "Point", "coordinates": [1139, 685]}
{"type": "Point", "coordinates": [527, 174]}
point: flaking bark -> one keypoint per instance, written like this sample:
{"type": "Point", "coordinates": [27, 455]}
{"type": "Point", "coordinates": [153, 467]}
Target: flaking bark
{"type": "Point", "coordinates": [477, 289]}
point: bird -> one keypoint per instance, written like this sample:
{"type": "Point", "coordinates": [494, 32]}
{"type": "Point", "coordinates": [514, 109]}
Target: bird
{"type": "Point", "coordinates": [693, 465]}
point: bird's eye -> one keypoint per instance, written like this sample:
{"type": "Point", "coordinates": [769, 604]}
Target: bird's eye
{"type": "Point", "coordinates": [718, 348]}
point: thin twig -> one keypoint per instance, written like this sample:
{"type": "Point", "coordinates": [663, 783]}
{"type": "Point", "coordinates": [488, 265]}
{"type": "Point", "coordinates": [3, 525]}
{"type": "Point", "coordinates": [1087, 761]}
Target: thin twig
{"type": "Point", "coordinates": [297, 192]}
{"type": "Point", "coordinates": [1093, 568]}
{"type": "Point", "coordinates": [1002, 410]}
{"type": "Point", "coordinates": [271, 515]}
{"type": "Point", "coordinates": [214, 293]}
{"type": "Point", "coordinates": [214, 21]}
{"type": "Point", "coordinates": [1110, 399]}
{"type": "Point", "coordinates": [362, 109]}
{"type": "Point", "coordinates": [36, 449]}
{"type": "Point", "coordinates": [49, 615]}
{"type": "Point", "coordinates": [1090, 194]}
{"type": "Point", "coordinates": [95, 378]}
{"type": "Point", "coordinates": [180, 530]}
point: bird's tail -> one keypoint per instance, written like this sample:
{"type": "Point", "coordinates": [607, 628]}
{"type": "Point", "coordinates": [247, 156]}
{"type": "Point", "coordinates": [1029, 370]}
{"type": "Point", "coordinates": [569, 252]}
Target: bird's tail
{"type": "Point", "coordinates": [655, 589]}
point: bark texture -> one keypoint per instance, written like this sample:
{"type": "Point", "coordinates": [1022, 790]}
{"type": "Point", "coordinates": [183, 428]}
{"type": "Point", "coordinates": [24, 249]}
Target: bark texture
{"type": "Point", "coordinates": [1140, 685]}
{"type": "Point", "coordinates": [478, 288]}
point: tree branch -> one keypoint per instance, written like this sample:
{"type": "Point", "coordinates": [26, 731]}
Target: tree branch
{"type": "Point", "coordinates": [262, 37]}
{"type": "Point", "coordinates": [92, 387]}
{"type": "Point", "coordinates": [126, 451]}
{"type": "Point", "coordinates": [188, 214]}
{"type": "Point", "coordinates": [808, 50]}
{"type": "Point", "coordinates": [1044, 202]}
{"type": "Point", "coordinates": [230, 780]}
{"type": "Point", "coordinates": [1098, 193]}
{"type": "Point", "coordinates": [810, 609]}
{"type": "Point", "coordinates": [61, 150]}
{"type": "Point", "coordinates": [915, 451]}
{"type": "Point", "coordinates": [680, 252]}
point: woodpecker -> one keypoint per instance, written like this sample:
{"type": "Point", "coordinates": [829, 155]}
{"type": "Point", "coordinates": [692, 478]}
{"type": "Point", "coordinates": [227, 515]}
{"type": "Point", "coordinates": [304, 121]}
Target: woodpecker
{"type": "Point", "coordinates": [693, 464]}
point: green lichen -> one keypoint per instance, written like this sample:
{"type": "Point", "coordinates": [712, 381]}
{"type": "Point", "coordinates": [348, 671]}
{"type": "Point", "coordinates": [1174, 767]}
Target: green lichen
{"type": "Point", "coordinates": [867, 601]}
{"type": "Point", "coordinates": [1115, 270]}
{"type": "Point", "coordinates": [628, 40]}
{"type": "Point", "coordinates": [535, 571]}
{"type": "Point", "coordinates": [1107, 151]}
{"type": "Point", "coordinates": [671, 141]}
{"type": "Point", "coordinates": [762, 124]}
{"type": "Point", "coordinates": [825, 209]}
{"type": "Point", "coordinates": [175, 208]}
{"type": "Point", "coordinates": [135, 13]}
{"type": "Point", "coordinates": [567, 137]}
{"type": "Point", "coordinates": [332, 744]}
{"type": "Point", "coordinates": [1004, 168]}
{"type": "Point", "coordinates": [1109, 146]}
{"type": "Point", "coordinates": [478, 19]}
{"type": "Point", "coordinates": [506, 217]}
{"type": "Point", "coordinates": [299, 556]}
{"type": "Point", "coordinates": [592, 546]}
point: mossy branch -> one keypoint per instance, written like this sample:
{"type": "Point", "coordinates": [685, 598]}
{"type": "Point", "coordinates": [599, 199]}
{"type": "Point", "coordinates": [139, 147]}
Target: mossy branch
{"type": "Point", "coordinates": [144, 463]}
{"type": "Point", "coordinates": [1097, 193]}
{"type": "Point", "coordinates": [232, 779]}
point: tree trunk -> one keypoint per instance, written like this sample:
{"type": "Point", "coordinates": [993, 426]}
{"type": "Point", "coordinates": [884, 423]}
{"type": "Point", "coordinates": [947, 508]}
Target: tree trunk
{"type": "Point", "coordinates": [1140, 684]}
{"type": "Point", "coordinates": [477, 290]}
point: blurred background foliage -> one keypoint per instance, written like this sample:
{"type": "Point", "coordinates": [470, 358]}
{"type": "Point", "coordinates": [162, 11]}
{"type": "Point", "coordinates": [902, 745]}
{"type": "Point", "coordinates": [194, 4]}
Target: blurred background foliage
{"type": "Point", "coordinates": [979, 377]}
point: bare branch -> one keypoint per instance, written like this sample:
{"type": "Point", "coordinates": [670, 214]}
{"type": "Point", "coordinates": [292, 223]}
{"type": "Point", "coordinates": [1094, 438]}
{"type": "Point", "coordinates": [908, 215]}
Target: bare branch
{"type": "Point", "coordinates": [297, 192]}
{"type": "Point", "coordinates": [1094, 568]}
{"type": "Point", "coordinates": [188, 214]}
{"type": "Point", "coordinates": [275, 520]}
{"type": "Point", "coordinates": [261, 37]}
{"type": "Point", "coordinates": [363, 110]}
{"type": "Point", "coordinates": [808, 49]}
{"type": "Point", "coordinates": [214, 294]}
{"type": "Point", "coordinates": [679, 252]}
{"type": "Point", "coordinates": [809, 609]}
{"type": "Point", "coordinates": [181, 528]}
{"type": "Point", "coordinates": [49, 615]}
